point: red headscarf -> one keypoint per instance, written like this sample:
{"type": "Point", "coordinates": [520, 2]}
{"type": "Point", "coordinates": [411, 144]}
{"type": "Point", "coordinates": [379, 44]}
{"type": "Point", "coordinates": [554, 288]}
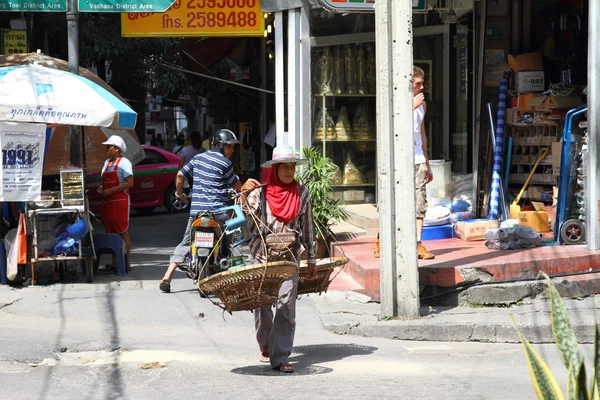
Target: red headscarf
{"type": "Point", "coordinates": [283, 199]}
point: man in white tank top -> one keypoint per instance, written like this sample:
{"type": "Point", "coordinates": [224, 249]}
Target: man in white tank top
{"type": "Point", "coordinates": [423, 173]}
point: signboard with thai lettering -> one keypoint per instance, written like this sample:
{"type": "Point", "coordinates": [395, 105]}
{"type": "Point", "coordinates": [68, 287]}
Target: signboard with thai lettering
{"type": "Point", "coordinates": [33, 5]}
{"type": "Point", "coordinates": [198, 18]}
{"type": "Point", "coordinates": [15, 42]}
{"type": "Point", "coordinates": [365, 6]}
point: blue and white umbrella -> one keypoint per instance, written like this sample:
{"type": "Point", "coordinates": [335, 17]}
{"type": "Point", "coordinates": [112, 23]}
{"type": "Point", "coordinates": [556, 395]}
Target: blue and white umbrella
{"type": "Point", "coordinates": [35, 93]}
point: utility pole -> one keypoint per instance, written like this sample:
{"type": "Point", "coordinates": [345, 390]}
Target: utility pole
{"type": "Point", "coordinates": [395, 159]}
{"type": "Point", "coordinates": [592, 218]}
{"type": "Point", "coordinates": [75, 140]}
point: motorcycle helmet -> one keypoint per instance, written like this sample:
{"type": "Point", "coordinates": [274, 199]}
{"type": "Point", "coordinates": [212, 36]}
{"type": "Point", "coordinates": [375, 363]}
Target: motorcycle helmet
{"type": "Point", "coordinates": [223, 137]}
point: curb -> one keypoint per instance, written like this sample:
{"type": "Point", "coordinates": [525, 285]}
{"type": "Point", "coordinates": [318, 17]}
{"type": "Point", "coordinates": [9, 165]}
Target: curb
{"type": "Point", "coordinates": [349, 314]}
{"type": "Point", "coordinates": [453, 332]}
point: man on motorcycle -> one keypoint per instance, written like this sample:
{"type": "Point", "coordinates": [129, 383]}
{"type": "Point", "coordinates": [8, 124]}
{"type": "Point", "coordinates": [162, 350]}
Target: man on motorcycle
{"type": "Point", "coordinates": [210, 175]}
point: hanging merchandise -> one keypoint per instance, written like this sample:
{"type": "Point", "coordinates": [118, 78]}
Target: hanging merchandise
{"type": "Point", "coordinates": [319, 126]}
{"type": "Point", "coordinates": [336, 178]}
{"type": "Point", "coordinates": [371, 70]}
{"type": "Point", "coordinates": [338, 70]}
{"type": "Point", "coordinates": [22, 241]}
{"type": "Point", "coordinates": [361, 60]}
{"type": "Point", "coordinates": [350, 71]}
{"type": "Point", "coordinates": [361, 124]}
{"type": "Point", "coordinates": [343, 129]}
{"type": "Point", "coordinates": [324, 73]}
{"type": "Point", "coordinates": [352, 175]}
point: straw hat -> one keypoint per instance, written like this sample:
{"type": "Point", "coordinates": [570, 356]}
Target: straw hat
{"type": "Point", "coordinates": [284, 154]}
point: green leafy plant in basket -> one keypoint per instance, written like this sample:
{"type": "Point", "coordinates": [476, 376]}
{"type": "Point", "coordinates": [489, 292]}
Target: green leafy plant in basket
{"type": "Point", "coordinates": [544, 382]}
{"type": "Point", "coordinates": [316, 177]}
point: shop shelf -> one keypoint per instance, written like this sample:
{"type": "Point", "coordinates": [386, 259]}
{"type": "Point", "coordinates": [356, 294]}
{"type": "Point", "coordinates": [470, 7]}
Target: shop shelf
{"type": "Point", "coordinates": [355, 185]}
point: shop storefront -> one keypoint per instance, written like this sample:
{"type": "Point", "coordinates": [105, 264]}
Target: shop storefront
{"type": "Point", "coordinates": [340, 100]}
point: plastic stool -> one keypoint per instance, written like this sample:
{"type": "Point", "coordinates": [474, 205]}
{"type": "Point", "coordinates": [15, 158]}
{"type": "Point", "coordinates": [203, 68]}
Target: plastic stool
{"type": "Point", "coordinates": [109, 243]}
{"type": "Point", "coordinates": [2, 263]}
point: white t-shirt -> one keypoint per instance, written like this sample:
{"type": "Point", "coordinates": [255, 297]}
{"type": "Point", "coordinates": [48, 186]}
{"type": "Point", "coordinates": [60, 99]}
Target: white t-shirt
{"type": "Point", "coordinates": [419, 114]}
{"type": "Point", "coordinates": [188, 152]}
{"type": "Point", "coordinates": [125, 169]}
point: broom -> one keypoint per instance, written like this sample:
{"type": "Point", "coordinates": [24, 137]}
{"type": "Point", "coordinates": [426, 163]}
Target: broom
{"type": "Point", "coordinates": [515, 209]}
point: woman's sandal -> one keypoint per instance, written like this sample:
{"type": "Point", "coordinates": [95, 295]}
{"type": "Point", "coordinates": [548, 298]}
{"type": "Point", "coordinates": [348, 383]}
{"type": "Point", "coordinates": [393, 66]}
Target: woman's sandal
{"type": "Point", "coordinates": [165, 286]}
{"type": "Point", "coordinates": [264, 357]}
{"type": "Point", "coordinates": [288, 369]}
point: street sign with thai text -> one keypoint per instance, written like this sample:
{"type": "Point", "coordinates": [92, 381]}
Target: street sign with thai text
{"type": "Point", "coordinates": [125, 6]}
{"type": "Point", "coordinates": [198, 18]}
{"type": "Point", "coordinates": [33, 5]}
{"type": "Point", "coordinates": [15, 42]}
{"type": "Point", "coordinates": [365, 6]}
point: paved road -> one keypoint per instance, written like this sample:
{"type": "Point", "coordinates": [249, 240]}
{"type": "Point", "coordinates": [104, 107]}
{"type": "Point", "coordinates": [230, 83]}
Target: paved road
{"type": "Point", "coordinates": [123, 339]}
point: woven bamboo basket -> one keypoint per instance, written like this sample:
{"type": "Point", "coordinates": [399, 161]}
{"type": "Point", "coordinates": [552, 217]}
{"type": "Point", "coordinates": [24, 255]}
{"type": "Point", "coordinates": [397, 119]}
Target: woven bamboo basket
{"type": "Point", "coordinates": [248, 288]}
{"type": "Point", "coordinates": [322, 281]}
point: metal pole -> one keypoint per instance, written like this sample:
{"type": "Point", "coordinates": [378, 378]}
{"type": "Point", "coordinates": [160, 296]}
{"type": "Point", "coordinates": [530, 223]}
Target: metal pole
{"type": "Point", "coordinates": [480, 42]}
{"type": "Point", "coordinates": [75, 140]}
{"type": "Point", "coordinates": [593, 97]}
{"type": "Point", "coordinates": [293, 76]}
{"type": "Point", "coordinates": [279, 82]}
{"type": "Point", "coordinates": [264, 127]}
{"type": "Point", "coordinates": [395, 159]}
{"type": "Point", "coordinates": [305, 82]}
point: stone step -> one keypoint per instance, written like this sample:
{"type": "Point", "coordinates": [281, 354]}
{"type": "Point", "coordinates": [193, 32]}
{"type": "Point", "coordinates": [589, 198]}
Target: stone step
{"type": "Point", "coordinates": [364, 216]}
{"type": "Point", "coordinates": [506, 294]}
{"type": "Point", "coordinates": [342, 281]}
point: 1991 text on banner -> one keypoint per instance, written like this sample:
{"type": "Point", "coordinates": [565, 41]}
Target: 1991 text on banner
{"type": "Point", "coordinates": [198, 18]}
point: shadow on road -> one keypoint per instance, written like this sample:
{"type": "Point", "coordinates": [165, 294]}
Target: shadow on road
{"type": "Point", "coordinates": [304, 358]}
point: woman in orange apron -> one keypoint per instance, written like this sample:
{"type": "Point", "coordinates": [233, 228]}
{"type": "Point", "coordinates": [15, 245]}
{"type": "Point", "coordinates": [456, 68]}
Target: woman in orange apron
{"type": "Point", "coordinates": [117, 179]}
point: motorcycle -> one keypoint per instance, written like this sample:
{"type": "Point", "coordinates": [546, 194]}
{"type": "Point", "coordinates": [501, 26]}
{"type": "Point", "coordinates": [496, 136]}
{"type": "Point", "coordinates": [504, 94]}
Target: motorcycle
{"type": "Point", "coordinates": [206, 256]}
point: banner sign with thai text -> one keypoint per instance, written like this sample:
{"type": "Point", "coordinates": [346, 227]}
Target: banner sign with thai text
{"type": "Point", "coordinates": [23, 146]}
{"type": "Point", "coordinates": [198, 18]}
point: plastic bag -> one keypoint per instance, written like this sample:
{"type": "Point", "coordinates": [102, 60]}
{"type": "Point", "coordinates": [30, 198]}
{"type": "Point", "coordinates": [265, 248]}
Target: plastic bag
{"type": "Point", "coordinates": [343, 129]}
{"type": "Point", "coordinates": [10, 241]}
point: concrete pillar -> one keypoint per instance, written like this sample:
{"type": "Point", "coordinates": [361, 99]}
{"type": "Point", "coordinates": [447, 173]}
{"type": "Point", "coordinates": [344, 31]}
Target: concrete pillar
{"type": "Point", "coordinates": [593, 173]}
{"type": "Point", "coordinates": [395, 159]}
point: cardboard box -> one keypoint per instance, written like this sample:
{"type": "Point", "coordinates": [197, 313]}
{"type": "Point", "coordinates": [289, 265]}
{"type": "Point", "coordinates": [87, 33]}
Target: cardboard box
{"type": "Point", "coordinates": [538, 219]}
{"type": "Point", "coordinates": [526, 62]}
{"type": "Point", "coordinates": [354, 195]}
{"type": "Point", "coordinates": [470, 231]}
{"type": "Point", "coordinates": [511, 116]}
{"type": "Point", "coordinates": [550, 103]}
{"type": "Point", "coordinates": [556, 153]}
{"type": "Point", "coordinates": [523, 101]}
{"type": "Point", "coordinates": [336, 195]}
{"type": "Point", "coordinates": [529, 81]}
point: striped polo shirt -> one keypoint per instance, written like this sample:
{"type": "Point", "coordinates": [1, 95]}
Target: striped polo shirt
{"type": "Point", "coordinates": [210, 175]}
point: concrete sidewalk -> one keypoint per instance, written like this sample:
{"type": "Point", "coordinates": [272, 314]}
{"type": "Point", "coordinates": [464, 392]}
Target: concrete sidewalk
{"type": "Point", "coordinates": [354, 314]}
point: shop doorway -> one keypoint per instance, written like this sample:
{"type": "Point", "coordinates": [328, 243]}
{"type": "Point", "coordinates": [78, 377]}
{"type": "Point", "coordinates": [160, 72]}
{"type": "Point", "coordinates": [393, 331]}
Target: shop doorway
{"type": "Point", "coordinates": [442, 52]}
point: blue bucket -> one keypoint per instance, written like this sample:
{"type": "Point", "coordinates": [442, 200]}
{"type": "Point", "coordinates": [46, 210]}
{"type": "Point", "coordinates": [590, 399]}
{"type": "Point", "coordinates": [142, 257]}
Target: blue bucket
{"type": "Point", "coordinates": [77, 230]}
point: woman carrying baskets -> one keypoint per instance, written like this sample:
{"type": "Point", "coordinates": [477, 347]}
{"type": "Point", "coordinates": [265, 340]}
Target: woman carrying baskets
{"type": "Point", "coordinates": [280, 218]}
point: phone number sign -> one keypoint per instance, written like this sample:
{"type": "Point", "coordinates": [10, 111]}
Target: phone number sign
{"type": "Point", "coordinates": [198, 18]}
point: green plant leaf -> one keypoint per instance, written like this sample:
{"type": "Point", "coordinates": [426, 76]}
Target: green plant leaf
{"type": "Point", "coordinates": [571, 385]}
{"type": "Point", "coordinates": [561, 329]}
{"type": "Point", "coordinates": [594, 391]}
{"type": "Point", "coordinates": [544, 383]}
{"type": "Point", "coordinates": [316, 177]}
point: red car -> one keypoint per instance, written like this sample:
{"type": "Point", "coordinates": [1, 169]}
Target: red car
{"type": "Point", "coordinates": [154, 183]}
